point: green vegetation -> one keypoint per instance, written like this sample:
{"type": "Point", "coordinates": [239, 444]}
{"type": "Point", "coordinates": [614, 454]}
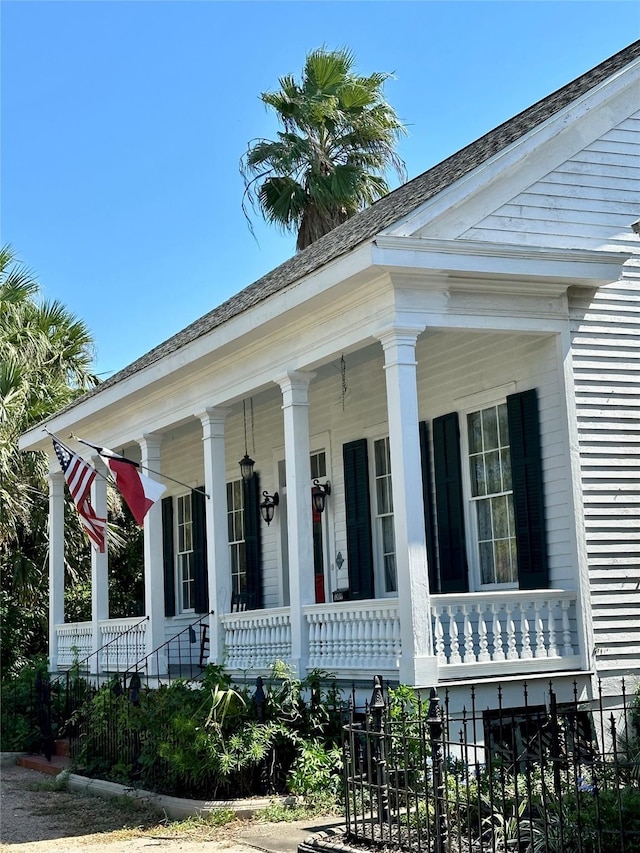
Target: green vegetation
{"type": "Point", "coordinates": [216, 741]}
{"type": "Point", "coordinates": [329, 160]}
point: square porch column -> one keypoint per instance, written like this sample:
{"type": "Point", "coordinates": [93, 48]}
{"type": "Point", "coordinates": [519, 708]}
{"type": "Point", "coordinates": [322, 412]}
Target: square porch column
{"type": "Point", "coordinates": [418, 666]}
{"type": "Point", "coordinates": [218, 562]}
{"type": "Point", "coordinates": [99, 565]}
{"type": "Point", "coordinates": [153, 568]}
{"type": "Point", "coordinates": [56, 562]}
{"type": "Point", "coordinates": [295, 407]}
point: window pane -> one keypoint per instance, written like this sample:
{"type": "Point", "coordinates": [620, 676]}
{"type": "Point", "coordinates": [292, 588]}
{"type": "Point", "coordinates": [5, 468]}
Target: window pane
{"type": "Point", "coordinates": [390, 579]}
{"type": "Point", "coordinates": [503, 561]}
{"type": "Point", "coordinates": [318, 465]}
{"type": "Point", "coordinates": [500, 520]}
{"type": "Point", "coordinates": [490, 428]}
{"type": "Point", "coordinates": [381, 456]}
{"type": "Point", "coordinates": [478, 485]}
{"type": "Point", "coordinates": [388, 541]}
{"type": "Point", "coordinates": [474, 426]}
{"type": "Point", "coordinates": [383, 492]}
{"type": "Point", "coordinates": [503, 425]}
{"type": "Point", "coordinates": [505, 459]}
{"type": "Point", "coordinates": [484, 520]}
{"type": "Point", "coordinates": [512, 523]}
{"type": "Point", "coordinates": [486, 562]}
{"type": "Point", "coordinates": [494, 480]}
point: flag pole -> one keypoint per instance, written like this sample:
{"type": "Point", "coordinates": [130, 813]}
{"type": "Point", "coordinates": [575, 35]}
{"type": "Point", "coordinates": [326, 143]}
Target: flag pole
{"type": "Point", "coordinates": [144, 467]}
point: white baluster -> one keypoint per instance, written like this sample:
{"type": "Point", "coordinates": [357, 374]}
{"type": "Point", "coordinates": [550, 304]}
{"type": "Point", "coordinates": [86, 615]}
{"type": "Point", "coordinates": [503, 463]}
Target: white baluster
{"type": "Point", "coordinates": [567, 645]}
{"type": "Point", "coordinates": [342, 645]}
{"type": "Point", "coordinates": [454, 643]}
{"type": "Point", "coordinates": [498, 653]}
{"type": "Point", "coordinates": [512, 651]}
{"type": "Point", "coordinates": [439, 638]}
{"type": "Point", "coordinates": [551, 625]}
{"type": "Point", "coordinates": [527, 654]}
{"type": "Point", "coordinates": [469, 653]}
{"type": "Point", "coordinates": [541, 649]}
{"type": "Point", "coordinates": [483, 641]}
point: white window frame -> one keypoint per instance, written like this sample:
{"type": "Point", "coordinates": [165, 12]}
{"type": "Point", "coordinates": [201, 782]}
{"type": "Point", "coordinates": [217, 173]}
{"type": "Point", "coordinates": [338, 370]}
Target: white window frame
{"type": "Point", "coordinates": [376, 524]}
{"type": "Point", "coordinates": [181, 553]}
{"type": "Point", "coordinates": [236, 543]}
{"type": "Point", "coordinates": [471, 404]}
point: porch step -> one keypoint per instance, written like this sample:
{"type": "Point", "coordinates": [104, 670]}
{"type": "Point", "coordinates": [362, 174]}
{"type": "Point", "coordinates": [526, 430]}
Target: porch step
{"type": "Point", "coordinates": [59, 760]}
{"type": "Point", "coordinates": [40, 763]}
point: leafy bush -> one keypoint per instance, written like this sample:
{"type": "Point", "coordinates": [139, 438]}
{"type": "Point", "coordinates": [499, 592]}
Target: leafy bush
{"type": "Point", "coordinates": [213, 740]}
{"type": "Point", "coordinates": [20, 709]}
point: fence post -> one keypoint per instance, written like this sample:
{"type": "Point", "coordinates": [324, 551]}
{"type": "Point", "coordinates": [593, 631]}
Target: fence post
{"type": "Point", "coordinates": [434, 721]}
{"type": "Point", "coordinates": [379, 762]}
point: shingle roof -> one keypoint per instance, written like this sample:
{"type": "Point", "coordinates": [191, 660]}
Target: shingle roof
{"type": "Point", "coordinates": [382, 214]}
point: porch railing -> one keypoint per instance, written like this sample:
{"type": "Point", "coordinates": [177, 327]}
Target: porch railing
{"type": "Point", "coordinates": [121, 643]}
{"type": "Point", "coordinates": [254, 639]}
{"type": "Point", "coordinates": [514, 631]}
{"type": "Point", "coordinates": [74, 643]}
{"type": "Point", "coordinates": [354, 636]}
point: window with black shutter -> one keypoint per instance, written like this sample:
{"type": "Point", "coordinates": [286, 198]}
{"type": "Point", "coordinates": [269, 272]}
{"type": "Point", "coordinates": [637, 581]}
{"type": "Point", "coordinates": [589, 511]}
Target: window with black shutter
{"type": "Point", "coordinates": [358, 519]}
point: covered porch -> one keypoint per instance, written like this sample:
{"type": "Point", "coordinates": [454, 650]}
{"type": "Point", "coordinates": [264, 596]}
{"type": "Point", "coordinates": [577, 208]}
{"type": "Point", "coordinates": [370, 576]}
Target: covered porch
{"type": "Point", "coordinates": [380, 402]}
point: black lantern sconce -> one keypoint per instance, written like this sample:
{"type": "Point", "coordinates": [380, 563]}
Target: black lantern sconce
{"type": "Point", "coordinates": [246, 467]}
{"type": "Point", "coordinates": [319, 495]}
{"type": "Point", "coordinates": [268, 505]}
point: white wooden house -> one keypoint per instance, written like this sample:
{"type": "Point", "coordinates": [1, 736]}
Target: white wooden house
{"type": "Point", "coordinates": [459, 362]}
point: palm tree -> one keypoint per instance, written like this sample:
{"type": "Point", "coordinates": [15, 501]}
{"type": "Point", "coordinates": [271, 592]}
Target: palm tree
{"type": "Point", "coordinates": [336, 145]}
{"type": "Point", "coordinates": [45, 362]}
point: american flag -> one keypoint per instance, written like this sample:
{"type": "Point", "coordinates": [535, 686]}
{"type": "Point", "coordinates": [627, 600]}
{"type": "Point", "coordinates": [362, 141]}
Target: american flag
{"type": "Point", "coordinates": [79, 476]}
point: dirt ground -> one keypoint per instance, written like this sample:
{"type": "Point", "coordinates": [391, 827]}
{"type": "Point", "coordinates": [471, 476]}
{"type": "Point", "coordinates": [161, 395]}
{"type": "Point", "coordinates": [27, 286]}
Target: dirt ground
{"type": "Point", "coordinates": [35, 817]}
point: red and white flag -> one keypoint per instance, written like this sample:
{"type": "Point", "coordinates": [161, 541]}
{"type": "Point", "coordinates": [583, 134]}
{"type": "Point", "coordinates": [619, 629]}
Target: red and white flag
{"type": "Point", "coordinates": [139, 491]}
{"type": "Point", "coordinates": [79, 476]}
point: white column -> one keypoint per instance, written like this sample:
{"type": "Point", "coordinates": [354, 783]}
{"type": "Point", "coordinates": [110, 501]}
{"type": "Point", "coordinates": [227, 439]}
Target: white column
{"type": "Point", "coordinates": [218, 565]}
{"type": "Point", "coordinates": [295, 407]}
{"type": "Point", "coordinates": [153, 568]}
{"type": "Point", "coordinates": [56, 562]}
{"type": "Point", "coordinates": [99, 564]}
{"type": "Point", "coordinates": [417, 663]}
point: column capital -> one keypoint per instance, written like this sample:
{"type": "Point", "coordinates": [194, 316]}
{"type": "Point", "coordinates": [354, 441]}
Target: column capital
{"type": "Point", "coordinates": [399, 334]}
{"type": "Point", "coordinates": [213, 420]}
{"type": "Point", "coordinates": [56, 482]}
{"type": "Point", "coordinates": [294, 385]}
{"type": "Point", "coordinates": [150, 443]}
{"type": "Point", "coordinates": [212, 414]}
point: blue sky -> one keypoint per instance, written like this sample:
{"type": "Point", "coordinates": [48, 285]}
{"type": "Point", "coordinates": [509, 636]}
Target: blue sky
{"type": "Point", "coordinates": [123, 124]}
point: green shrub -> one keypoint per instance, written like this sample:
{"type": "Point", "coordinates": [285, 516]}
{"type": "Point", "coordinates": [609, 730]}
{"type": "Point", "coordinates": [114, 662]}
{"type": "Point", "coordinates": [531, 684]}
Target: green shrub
{"type": "Point", "coordinates": [213, 741]}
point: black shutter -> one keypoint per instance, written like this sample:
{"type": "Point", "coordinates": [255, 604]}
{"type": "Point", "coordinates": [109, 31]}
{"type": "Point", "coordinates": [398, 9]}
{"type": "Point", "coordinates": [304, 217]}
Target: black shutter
{"type": "Point", "coordinates": [528, 493]}
{"type": "Point", "coordinates": [449, 504]}
{"type": "Point", "coordinates": [358, 512]}
{"type": "Point", "coordinates": [252, 542]}
{"type": "Point", "coordinates": [168, 560]}
{"type": "Point", "coordinates": [434, 581]}
{"type": "Point", "coordinates": [201, 583]}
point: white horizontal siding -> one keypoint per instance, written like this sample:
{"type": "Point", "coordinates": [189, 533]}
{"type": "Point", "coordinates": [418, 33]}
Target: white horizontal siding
{"type": "Point", "coordinates": [589, 201]}
{"type": "Point", "coordinates": [606, 362]}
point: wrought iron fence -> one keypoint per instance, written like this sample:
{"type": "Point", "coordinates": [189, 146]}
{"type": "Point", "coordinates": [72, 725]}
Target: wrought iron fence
{"type": "Point", "coordinates": [555, 777]}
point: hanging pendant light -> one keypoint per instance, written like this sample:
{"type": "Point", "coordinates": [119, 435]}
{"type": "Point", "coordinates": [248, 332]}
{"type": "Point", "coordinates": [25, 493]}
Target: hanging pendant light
{"type": "Point", "coordinates": [246, 463]}
{"type": "Point", "coordinates": [246, 467]}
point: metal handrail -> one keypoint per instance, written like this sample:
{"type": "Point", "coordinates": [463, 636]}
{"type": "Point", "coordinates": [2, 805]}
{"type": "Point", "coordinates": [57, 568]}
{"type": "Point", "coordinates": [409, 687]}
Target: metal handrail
{"type": "Point", "coordinates": [109, 642]}
{"type": "Point", "coordinates": [143, 664]}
